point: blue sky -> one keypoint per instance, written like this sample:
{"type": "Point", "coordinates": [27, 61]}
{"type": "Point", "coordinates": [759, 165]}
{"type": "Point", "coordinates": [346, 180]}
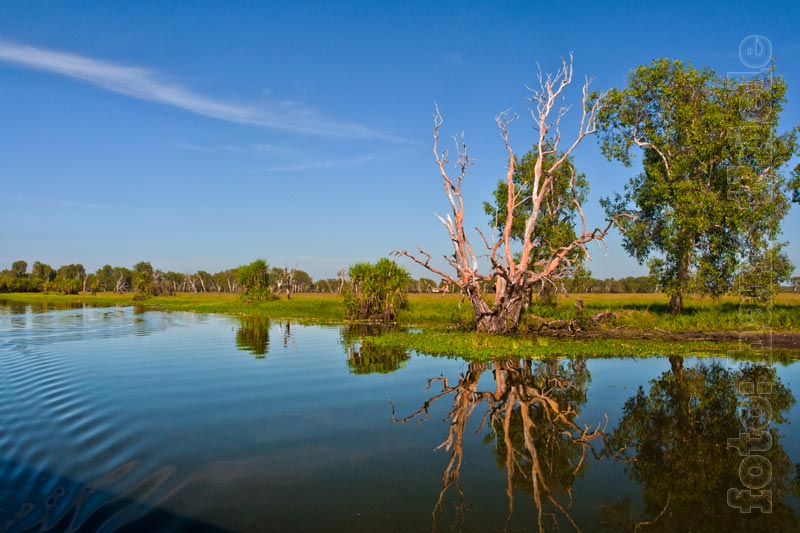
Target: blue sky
{"type": "Point", "coordinates": [203, 135]}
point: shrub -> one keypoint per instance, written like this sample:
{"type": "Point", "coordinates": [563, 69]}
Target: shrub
{"type": "Point", "coordinates": [375, 291]}
{"type": "Point", "coordinates": [254, 281]}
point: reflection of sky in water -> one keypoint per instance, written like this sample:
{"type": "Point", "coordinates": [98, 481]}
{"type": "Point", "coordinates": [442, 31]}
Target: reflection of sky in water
{"type": "Point", "coordinates": [171, 420]}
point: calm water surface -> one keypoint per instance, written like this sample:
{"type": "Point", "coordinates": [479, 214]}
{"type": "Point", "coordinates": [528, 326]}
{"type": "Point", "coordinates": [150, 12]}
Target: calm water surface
{"type": "Point", "coordinates": [116, 420]}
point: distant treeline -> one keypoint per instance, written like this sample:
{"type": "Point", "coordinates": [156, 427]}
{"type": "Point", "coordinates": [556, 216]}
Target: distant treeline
{"type": "Point", "coordinates": [143, 278]}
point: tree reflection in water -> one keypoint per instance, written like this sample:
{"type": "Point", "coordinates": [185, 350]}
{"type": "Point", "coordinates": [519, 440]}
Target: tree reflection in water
{"type": "Point", "coordinates": [253, 335]}
{"type": "Point", "coordinates": [532, 415]}
{"type": "Point", "coordinates": [675, 438]}
{"type": "Point", "coordinates": [363, 357]}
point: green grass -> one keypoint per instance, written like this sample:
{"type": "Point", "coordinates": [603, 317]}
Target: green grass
{"type": "Point", "coordinates": [443, 319]}
{"type": "Point", "coordinates": [650, 312]}
{"type": "Point", "coordinates": [479, 347]}
{"type": "Point", "coordinates": [645, 312]}
{"type": "Point", "coordinates": [322, 308]}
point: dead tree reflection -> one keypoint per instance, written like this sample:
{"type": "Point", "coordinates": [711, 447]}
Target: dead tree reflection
{"type": "Point", "coordinates": [531, 415]}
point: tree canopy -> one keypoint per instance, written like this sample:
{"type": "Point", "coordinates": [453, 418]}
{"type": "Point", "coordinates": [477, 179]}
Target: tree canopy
{"type": "Point", "coordinates": [711, 195]}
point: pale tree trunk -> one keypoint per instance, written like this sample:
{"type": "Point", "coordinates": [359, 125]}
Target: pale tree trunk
{"type": "Point", "coordinates": [118, 285]}
{"type": "Point", "coordinates": [514, 274]}
{"type": "Point", "coordinates": [289, 273]}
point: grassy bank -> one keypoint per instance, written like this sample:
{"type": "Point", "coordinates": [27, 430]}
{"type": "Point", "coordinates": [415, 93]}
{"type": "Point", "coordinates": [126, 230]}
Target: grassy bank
{"type": "Point", "coordinates": [324, 308]}
{"type": "Point", "coordinates": [443, 318]}
{"type": "Point", "coordinates": [645, 312]}
{"type": "Point", "coordinates": [478, 347]}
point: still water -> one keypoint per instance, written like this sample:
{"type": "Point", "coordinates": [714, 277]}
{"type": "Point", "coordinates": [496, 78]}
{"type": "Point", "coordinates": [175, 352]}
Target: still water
{"type": "Point", "coordinates": [113, 419]}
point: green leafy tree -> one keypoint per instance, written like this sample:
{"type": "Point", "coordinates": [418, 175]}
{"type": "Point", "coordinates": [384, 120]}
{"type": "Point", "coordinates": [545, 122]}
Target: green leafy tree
{"type": "Point", "coordinates": [69, 279]}
{"type": "Point", "coordinates": [19, 269]}
{"type": "Point", "coordinates": [555, 226]}
{"type": "Point", "coordinates": [42, 272]}
{"type": "Point", "coordinates": [104, 278]}
{"type": "Point", "coordinates": [376, 291]}
{"type": "Point", "coordinates": [205, 280]}
{"type": "Point", "coordinates": [143, 277]}
{"type": "Point", "coordinates": [70, 272]}
{"type": "Point", "coordinates": [175, 279]}
{"type": "Point", "coordinates": [17, 279]}
{"type": "Point", "coordinates": [302, 281]}
{"type": "Point", "coordinates": [226, 281]}
{"type": "Point", "coordinates": [764, 271]}
{"type": "Point", "coordinates": [711, 194]}
{"type": "Point", "coordinates": [254, 281]}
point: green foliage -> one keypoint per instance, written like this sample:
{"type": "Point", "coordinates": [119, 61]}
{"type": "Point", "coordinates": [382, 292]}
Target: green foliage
{"type": "Point", "coordinates": [376, 291]}
{"type": "Point", "coordinates": [421, 285]}
{"type": "Point", "coordinates": [254, 281]}
{"type": "Point", "coordinates": [555, 225]}
{"type": "Point", "coordinates": [302, 281]}
{"type": "Point", "coordinates": [582, 282]}
{"type": "Point", "coordinates": [19, 269]}
{"type": "Point", "coordinates": [42, 272]}
{"type": "Point", "coordinates": [143, 277]}
{"type": "Point", "coordinates": [66, 286]}
{"type": "Point", "coordinates": [487, 347]}
{"type": "Point", "coordinates": [68, 272]}
{"type": "Point", "coordinates": [711, 195]}
{"type": "Point", "coordinates": [14, 284]}
{"type": "Point", "coordinates": [765, 271]}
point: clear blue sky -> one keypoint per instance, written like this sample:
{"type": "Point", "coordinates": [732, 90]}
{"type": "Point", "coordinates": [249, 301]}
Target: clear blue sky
{"type": "Point", "coordinates": [203, 135]}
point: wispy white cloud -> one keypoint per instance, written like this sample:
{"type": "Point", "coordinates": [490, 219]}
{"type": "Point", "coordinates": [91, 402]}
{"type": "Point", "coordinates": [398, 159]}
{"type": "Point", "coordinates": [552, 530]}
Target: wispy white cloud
{"type": "Point", "coordinates": [256, 149]}
{"type": "Point", "coordinates": [456, 58]}
{"type": "Point", "coordinates": [146, 84]}
{"type": "Point", "coordinates": [321, 164]}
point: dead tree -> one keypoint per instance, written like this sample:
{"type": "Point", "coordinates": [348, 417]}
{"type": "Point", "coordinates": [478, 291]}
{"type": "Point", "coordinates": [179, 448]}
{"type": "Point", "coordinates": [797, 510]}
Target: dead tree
{"type": "Point", "coordinates": [120, 283]}
{"type": "Point", "coordinates": [342, 275]}
{"type": "Point", "coordinates": [289, 275]}
{"type": "Point", "coordinates": [515, 272]}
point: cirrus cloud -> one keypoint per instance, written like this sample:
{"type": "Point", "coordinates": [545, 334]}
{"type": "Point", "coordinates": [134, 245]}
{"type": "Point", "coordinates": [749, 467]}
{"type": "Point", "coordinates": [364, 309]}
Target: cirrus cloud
{"type": "Point", "coordinates": [145, 84]}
